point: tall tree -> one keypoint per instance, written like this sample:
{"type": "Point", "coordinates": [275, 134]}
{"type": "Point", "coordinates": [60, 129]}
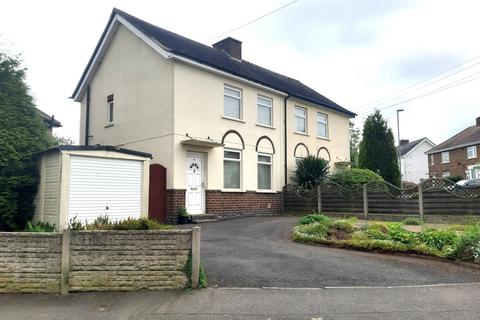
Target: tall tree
{"type": "Point", "coordinates": [22, 133]}
{"type": "Point", "coordinates": [354, 144]}
{"type": "Point", "coordinates": [377, 149]}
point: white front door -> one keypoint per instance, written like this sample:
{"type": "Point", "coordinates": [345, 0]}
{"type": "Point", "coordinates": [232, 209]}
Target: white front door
{"type": "Point", "coordinates": [194, 193]}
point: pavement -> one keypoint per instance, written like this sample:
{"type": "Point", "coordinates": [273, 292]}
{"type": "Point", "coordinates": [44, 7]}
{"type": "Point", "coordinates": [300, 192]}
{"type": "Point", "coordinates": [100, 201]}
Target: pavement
{"type": "Point", "coordinates": [256, 272]}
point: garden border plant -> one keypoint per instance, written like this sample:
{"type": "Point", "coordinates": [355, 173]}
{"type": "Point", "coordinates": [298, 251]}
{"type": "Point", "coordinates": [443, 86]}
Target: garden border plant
{"type": "Point", "coordinates": [460, 243]}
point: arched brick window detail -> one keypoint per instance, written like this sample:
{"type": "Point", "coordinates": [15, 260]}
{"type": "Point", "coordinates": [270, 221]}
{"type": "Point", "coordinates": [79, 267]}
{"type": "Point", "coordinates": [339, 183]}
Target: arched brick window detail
{"type": "Point", "coordinates": [236, 133]}
{"type": "Point", "coordinates": [325, 152]}
{"type": "Point", "coordinates": [264, 138]}
{"type": "Point", "coordinates": [298, 147]}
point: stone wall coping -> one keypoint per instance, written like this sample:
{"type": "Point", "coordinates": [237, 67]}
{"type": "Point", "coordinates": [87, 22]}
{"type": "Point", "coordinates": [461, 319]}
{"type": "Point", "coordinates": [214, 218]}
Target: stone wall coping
{"type": "Point", "coordinates": [56, 234]}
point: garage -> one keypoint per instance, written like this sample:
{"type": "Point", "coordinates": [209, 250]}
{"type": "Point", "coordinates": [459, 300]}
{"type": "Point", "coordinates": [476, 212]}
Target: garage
{"type": "Point", "coordinates": [84, 182]}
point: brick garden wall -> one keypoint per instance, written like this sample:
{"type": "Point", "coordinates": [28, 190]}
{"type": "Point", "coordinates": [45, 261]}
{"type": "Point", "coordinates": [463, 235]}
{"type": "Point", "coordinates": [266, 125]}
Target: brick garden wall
{"type": "Point", "coordinates": [97, 260]}
{"type": "Point", "coordinates": [175, 201]}
{"type": "Point", "coordinates": [242, 203]}
{"type": "Point", "coordinates": [30, 262]}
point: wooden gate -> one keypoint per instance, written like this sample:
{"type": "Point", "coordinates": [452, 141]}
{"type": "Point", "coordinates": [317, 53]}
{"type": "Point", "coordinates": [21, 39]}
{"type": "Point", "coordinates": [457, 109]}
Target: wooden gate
{"type": "Point", "coordinates": [157, 199]}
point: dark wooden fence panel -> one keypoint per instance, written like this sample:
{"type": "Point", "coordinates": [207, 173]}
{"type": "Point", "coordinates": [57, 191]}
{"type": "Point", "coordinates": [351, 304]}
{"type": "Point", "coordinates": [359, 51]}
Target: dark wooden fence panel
{"type": "Point", "coordinates": [334, 203]}
{"type": "Point", "coordinates": [384, 203]}
{"type": "Point", "coordinates": [294, 203]}
{"type": "Point", "coordinates": [445, 203]}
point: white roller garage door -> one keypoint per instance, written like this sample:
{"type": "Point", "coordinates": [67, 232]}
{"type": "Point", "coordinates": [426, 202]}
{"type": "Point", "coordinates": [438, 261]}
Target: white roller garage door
{"type": "Point", "coordinates": [104, 186]}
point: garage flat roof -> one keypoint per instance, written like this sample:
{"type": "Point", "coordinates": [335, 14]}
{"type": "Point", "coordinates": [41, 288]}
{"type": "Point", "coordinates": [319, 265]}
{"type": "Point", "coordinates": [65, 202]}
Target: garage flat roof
{"type": "Point", "coordinates": [97, 148]}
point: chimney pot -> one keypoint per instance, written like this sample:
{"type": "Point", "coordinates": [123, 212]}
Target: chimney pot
{"type": "Point", "coordinates": [231, 46]}
{"type": "Point", "coordinates": [478, 122]}
{"type": "Point", "coordinates": [404, 142]}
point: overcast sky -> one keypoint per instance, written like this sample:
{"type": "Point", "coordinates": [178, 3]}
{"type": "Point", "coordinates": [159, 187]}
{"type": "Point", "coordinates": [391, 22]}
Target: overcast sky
{"type": "Point", "coordinates": [352, 51]}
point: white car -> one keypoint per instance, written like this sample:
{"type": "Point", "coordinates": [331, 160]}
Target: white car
{"type": "Point", "coordinates": [469, 183]}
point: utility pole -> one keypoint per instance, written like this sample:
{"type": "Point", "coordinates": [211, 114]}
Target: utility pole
{"type": "Point", "coordinates": [398, 136]}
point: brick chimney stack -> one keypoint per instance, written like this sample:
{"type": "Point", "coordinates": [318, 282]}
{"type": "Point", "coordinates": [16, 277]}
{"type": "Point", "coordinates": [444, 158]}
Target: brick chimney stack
{"type": "Point", "coordinates": [478, 122]}
{"type": "Point", "coordinates": [231, 46]}
{"type": "Point", "coordinates": [404, 142]}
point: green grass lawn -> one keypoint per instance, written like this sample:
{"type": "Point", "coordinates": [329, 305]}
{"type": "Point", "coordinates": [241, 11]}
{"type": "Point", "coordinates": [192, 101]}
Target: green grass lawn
{"type": "Point", "coordinates": [456, 242]}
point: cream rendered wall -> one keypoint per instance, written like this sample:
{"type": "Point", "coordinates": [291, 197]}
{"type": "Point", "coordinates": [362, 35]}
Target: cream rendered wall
{"type": "Point", "coordinates": [142, 84]}
{"type": "Point", "coordinates": [199, 111]}
{"type": "Point", "coordinates": [337, 144]}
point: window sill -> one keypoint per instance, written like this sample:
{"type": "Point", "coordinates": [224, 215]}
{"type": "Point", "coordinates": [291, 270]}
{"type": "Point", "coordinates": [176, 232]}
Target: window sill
{"type": "Point", "coordinates": [265, 191]}
{"type": "Point", "coordinates": [301, 133]}
{"type": "Point", "coordinates": [264, 126]}
{"type": "Point", "coordinates": [471, 158]}
{"type": "Point", "coordinates": [445, 162]}
{"type": "Point", "coordinates": [108, 125]}
{"type": "Point", "coordinates": [233, 119]}
{"type": "Point", "coordinates": [233, 190]}
{"type": "Point", "coordinates": [323, 138]}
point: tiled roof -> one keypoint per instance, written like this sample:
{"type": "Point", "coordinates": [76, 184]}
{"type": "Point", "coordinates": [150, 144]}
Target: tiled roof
{"type": "Point", "coordinates": [218, 59]}
{"type": "Point", "coordinates": [470, 135]}
{"type": "Point", "coordinates": [47, 118]}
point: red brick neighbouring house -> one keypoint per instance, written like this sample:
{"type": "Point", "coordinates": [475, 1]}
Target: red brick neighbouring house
{"type": "Point", "coordinates": [457, 156]}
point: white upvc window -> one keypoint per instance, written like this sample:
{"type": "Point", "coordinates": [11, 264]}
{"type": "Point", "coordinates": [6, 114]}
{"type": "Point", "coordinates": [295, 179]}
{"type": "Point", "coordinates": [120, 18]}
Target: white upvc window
{"type": "Point", "coordinates": [445, 157]}
{"type": "Point", "coordinates": [473, 172]}
{"type": "Point", "coordinates": [264, 172]}
{"type": "Point", "coordinates": [445, 174]}
{"type": "Point", "coordinates": [471, 152]}
{"type": "Point", "coordinates": [232, 102]}
{"type": "Point", "coordinates": [264, 110]}
{"type": "Point", "coordinates": [300, 120]}
{"type": "Point", "coordinates": [322, 125]}
{"type": "Point", "coordinates": [431, 160]}
{"type": "Point", "coordinates": [232, 160]}
{"type": "Point", "coordinates": [110, 109]}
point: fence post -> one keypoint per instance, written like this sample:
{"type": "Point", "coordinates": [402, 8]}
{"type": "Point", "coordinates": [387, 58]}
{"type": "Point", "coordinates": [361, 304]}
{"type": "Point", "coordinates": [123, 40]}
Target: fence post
{"type": "Point", "coordinates": [65, 269]}
{"type": "Point", "coordinates": [195, 256]}
{"type": "Point", "coordinates": [365, 201]}
{"type": "Point", "coordinates": [420, 200]}
{"type": "Point", "coordinates": [319, 199]}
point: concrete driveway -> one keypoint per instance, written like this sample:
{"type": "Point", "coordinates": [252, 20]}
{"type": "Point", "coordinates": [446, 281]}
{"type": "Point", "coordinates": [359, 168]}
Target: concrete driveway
{"type": "Point", "coordinates": [257, 252]}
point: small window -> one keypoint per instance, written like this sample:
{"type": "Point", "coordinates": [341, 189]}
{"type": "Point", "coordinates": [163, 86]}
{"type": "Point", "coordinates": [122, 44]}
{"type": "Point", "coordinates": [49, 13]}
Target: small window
{"type": "Point", "coordinates": [110, 109]}
{"type": "Point", "coordinates": [322, 125]}
{"type": "Point", "coordinates": [231, 169]}
{"type": "Point", "coordinates": [445, 174]}
{"type": "Point", "coordinates": [445, 157]}
{"type": "Point", "coordinates": [264, 172]}
{"type": "Point", "coordinates": [264, 111]}
{"type": "Point", "coordinates": [431, 160]}
{"type": "Point", "coordinates": [471, 152]}
{"type": "Point", "coordinates": [300, 120]}
{"type": "Point", "coordinates": [232, 100]}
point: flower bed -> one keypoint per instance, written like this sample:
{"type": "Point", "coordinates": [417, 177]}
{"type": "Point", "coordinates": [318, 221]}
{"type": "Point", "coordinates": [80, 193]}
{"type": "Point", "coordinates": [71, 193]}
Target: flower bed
{"type": "Point", "coordinates": [453, 242]}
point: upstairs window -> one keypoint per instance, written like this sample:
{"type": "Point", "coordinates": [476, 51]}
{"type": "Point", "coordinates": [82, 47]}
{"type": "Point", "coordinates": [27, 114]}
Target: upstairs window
{"type": "Point", "coordinates": [110, 109]}
{"type": "Point", "coordinates": [322, 125]}
{"type": "Point", "coordinates": [445, 157]}
{"type": "Point", "coordinates": [264, 111]}
{"type": "Point", "coordinates": [300, 120]}
{"type": "Point", "coordinates": [232, 101]}
{"type": "Point", "coordinates": [231, 169]}
{"type": "Point", "coordinates": [264, 172]}
{"type": "Point", "coordinates": [471, 152]}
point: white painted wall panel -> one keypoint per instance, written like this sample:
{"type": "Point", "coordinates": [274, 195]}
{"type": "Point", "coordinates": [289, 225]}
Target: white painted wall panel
{"type": "Point", "coordinates": [103, 186]}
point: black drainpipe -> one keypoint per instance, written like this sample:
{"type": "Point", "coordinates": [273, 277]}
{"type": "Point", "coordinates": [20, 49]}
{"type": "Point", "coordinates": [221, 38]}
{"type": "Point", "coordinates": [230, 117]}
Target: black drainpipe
{"type": "Point", "coordinates": [87, 116]}
{"type": "Point", "coordinates": [285, 138]}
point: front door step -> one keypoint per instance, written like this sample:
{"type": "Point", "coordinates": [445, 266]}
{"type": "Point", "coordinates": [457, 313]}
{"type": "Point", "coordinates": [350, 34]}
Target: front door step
{"type": "Point", "coordinates": [200, 218]}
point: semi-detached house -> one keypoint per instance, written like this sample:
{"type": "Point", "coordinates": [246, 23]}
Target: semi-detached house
{"type": "Point", "coordinates": [228, 131]}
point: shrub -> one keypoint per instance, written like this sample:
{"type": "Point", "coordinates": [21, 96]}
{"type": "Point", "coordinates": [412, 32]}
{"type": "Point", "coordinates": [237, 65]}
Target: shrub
{"type": "Point", "coordinates": [411, 221]}
{"type": "Point", "coordinates": [104, 223]}
{"type": "Point", "coordinates": [39, 227]}
{"type": "Point", "coordinates": [315, 217]}
{"type": "Point", "coordinates": [438, 239]}
{"type": "Point", "coordinates": [310, 172]}
{"type": "Point", "coordinates": [347, 225]}
{"type": "Point", "coordinates": [397, 232]}
{"type": "Point", "coordinates": [182, 212]}
{"type": "Point", "coordinates": [202, 277]}
{"type": "Point", "coordinates": [467, 247]}
{"type": "Point", "coordinates": [354, 178]}
{"type": "Point", "coordinates": [315, 229]}
{"type": "Point", "coordinates": [375, 231]}
{"type": "Point", "coordinates": [454, 178]}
